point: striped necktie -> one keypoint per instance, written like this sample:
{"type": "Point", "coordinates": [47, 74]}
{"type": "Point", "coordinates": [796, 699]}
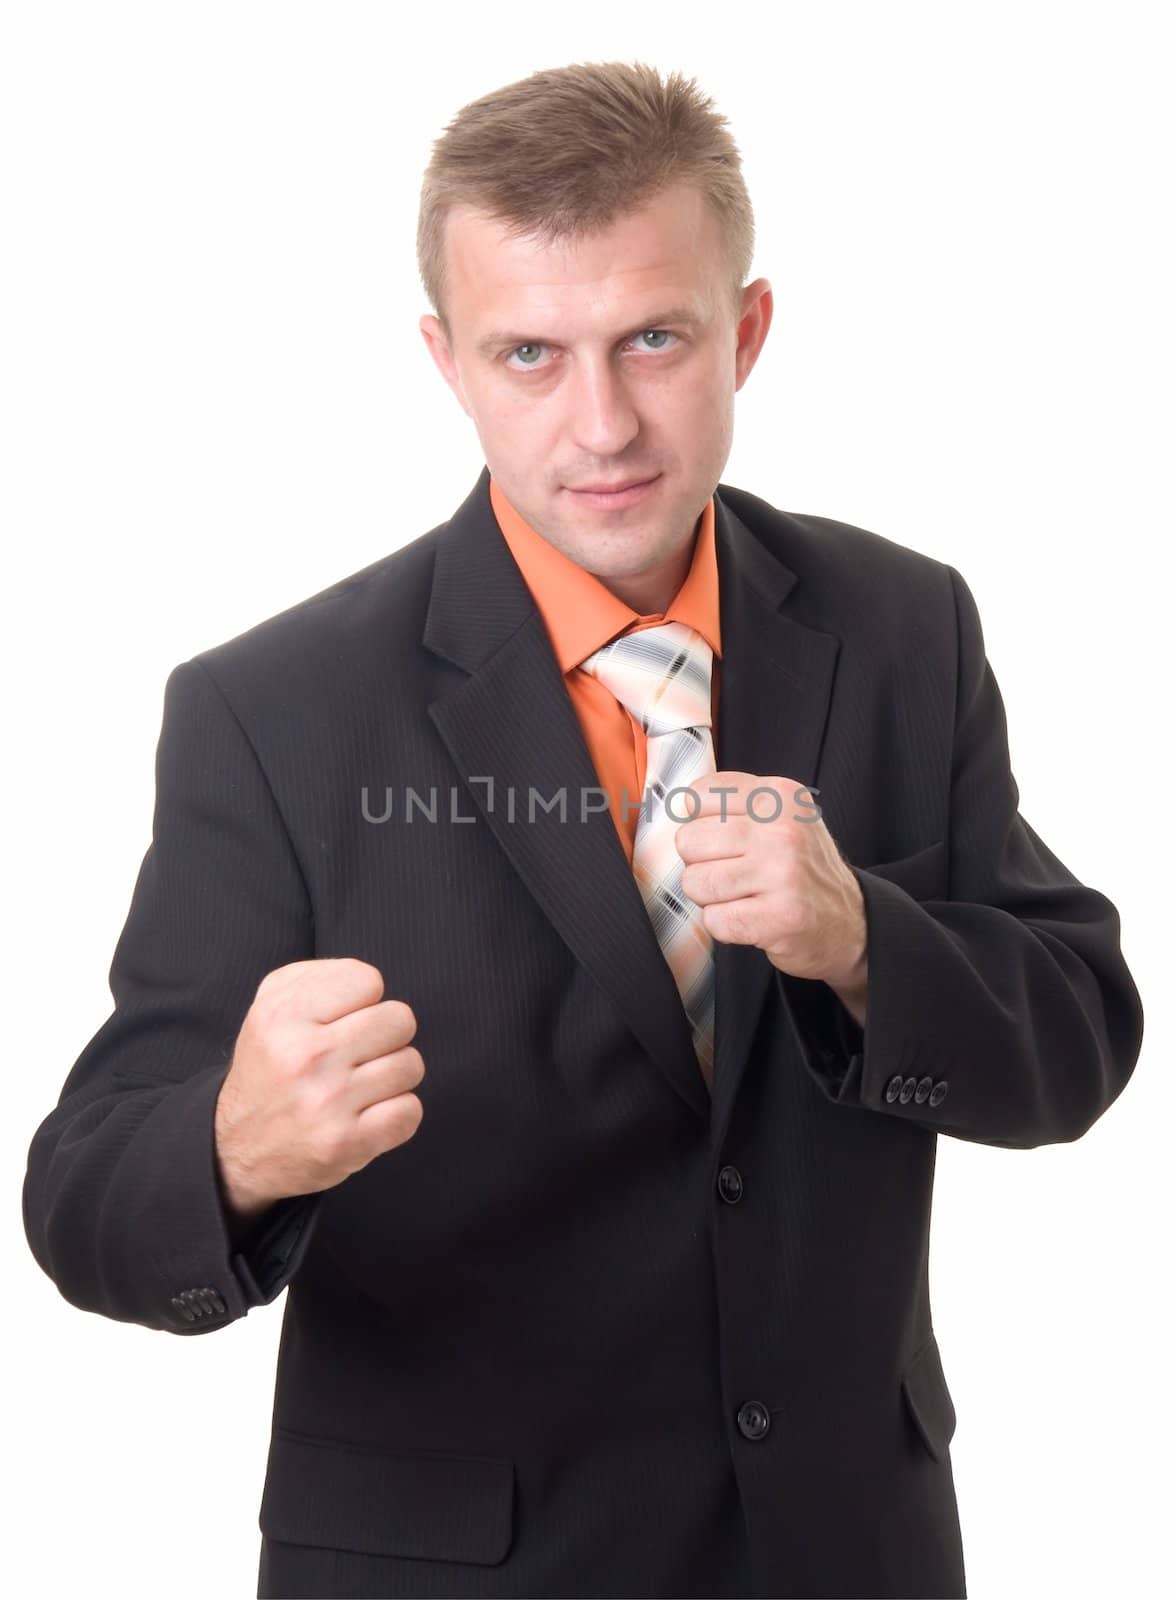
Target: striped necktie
{"type": "Point", "coordinates": [663, 676]}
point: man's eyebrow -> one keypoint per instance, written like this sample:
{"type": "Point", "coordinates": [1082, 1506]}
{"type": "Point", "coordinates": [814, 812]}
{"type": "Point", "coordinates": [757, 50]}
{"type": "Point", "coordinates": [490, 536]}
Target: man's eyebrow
{"type": "Point", "coordinates": [687, 316]}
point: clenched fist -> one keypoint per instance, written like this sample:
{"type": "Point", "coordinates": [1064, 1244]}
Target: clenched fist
{"type": "Point", "coordinates": [320, 1083]}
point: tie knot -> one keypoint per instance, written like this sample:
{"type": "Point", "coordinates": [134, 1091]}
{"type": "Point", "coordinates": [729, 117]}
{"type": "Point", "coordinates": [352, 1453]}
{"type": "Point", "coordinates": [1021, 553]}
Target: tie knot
{"type": "Point", "coordinates": [661, 674]}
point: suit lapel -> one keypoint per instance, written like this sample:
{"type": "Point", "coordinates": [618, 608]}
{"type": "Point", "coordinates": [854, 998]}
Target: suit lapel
{"type": "Point", "coordinates": [511, 729]}
{"type": "Point", "coordinates": [776, 681]}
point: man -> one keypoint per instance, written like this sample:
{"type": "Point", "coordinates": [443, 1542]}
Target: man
{"type": "Point", "coordinates": [594, 1139]}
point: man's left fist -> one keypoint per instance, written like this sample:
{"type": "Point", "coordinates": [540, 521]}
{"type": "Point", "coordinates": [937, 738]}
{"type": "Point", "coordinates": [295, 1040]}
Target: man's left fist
{"type": "Point", "coordinates": [768, 873]}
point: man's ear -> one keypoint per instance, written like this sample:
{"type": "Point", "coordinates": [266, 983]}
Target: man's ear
{"type": "Point", "coordinates": [754, 321]}
{"type": "Point", "coordinates": [438, 347]}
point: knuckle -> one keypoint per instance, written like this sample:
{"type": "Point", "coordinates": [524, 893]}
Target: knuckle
{"type": "Point", "coordinates": [403, 1016]}
{"type": "Point", "coordinates": [265, 1012]}
{"type": "Point", "coordinates": [367, 974]}
{"type": "Point", "coordinates": [315, 1048]}
{"type": "Point", "coordinates": [410, 1108]}
{"type": "Point", "coordinates": [327, 1147]}
{"type": "Point", "coordinates": [270, 981]}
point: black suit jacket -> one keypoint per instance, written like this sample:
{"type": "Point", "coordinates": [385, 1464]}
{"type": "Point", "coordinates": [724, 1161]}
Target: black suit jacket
{"type": "Point", "coordinates": [590, 1331]}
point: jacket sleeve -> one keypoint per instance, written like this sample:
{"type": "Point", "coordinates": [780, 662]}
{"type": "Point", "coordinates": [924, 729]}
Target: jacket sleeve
{"type": "Point", "coordinates": [1004, 1013]}
{"type": "Point", "coordinates": [122, 1200]}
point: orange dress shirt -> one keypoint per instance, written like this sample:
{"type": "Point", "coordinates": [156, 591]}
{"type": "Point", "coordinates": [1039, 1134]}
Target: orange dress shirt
{"type": "Point", "coordinates": [581, 614]}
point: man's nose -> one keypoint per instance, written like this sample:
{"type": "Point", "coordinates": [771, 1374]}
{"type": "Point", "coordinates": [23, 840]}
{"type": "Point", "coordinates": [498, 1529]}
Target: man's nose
{"type": "Point", "coordinates": [602, 419]}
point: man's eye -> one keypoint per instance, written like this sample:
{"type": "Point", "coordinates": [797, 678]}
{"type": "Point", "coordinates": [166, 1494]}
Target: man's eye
{"type": "Point", "coordinates": [519, 347]}
{"type": "Point", "coordinates": [658, 333]}
{"type": "Point", "coordinates": [530, 363]}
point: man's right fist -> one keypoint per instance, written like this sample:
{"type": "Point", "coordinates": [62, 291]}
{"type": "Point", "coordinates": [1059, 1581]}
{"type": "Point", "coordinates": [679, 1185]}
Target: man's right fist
{"type": "Point", "coordinates": [321, 1082]}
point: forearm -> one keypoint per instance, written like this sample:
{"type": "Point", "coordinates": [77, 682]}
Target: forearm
{"type": "Point", "coordinates": [1033, 1028]}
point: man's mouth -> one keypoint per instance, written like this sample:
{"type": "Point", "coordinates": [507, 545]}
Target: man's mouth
{"type": "Point", "coordinates": [625, 492]}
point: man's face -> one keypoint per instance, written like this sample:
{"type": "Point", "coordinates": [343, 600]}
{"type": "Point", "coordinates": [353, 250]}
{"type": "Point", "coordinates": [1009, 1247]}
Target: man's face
{"type": "Point", "coordinates": [611, 359]}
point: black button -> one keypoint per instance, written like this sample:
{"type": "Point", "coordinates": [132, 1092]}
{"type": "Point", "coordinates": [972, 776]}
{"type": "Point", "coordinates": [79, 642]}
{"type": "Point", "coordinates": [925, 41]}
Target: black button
{"type": "Point", "coordinates": [938, 1092]}
{"type": "Point", "coordinates": [754, 1419]}
{"type": "Point", "coordinates": [922, 1090]}
{"type": "Point", "coordinates": [894, 1087]}
{"type": "Point", "coordinates": [730, 1184]}
{"type": "Point", "coordinates": [908, 1089]}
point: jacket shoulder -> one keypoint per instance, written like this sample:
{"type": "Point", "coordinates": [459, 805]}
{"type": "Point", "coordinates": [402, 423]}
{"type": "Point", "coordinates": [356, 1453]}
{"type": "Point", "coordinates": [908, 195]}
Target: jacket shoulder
{"type": "Point", "coordinates": [841, 558]}
{"type": "Point", "coordinates": [336, 634]}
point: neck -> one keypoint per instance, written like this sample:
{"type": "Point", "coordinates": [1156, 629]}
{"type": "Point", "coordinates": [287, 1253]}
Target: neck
{"type": "Point", "coordinates": [651, 593]}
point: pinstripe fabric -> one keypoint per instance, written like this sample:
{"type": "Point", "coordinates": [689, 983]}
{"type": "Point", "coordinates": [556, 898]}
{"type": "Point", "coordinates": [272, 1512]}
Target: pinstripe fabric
{"type": "Point", "coordinates": [663, 676]}
{"type": "Point", "coordinates": [535, 1349]}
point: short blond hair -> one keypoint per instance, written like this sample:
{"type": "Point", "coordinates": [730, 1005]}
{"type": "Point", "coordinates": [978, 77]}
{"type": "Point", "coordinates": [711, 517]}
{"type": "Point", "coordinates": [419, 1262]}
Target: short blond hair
{"type": "Point", "coordinates": [570, 150]}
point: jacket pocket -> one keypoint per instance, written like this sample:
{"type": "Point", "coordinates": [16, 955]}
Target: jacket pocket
{"type": "Point", "coordinates": [381, 1502]}
{"type": "Point", "coordinates": [929, 1399]}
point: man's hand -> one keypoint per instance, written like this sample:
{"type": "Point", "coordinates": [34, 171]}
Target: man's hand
{"type": "Point", "coordinates": [767, 872]}
{"type": "Point", "coordinates": [321, 1083]}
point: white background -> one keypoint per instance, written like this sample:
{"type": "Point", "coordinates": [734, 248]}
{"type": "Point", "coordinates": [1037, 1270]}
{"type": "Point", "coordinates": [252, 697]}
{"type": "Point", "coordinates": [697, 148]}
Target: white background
{"type": "Point", "coordinates": [216, 401]}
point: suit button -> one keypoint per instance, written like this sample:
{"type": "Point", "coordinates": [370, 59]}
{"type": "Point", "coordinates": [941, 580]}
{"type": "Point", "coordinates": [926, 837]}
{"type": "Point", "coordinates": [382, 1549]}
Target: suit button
{"type": "Point", "coordinates": [922, 1090]}
{"type": "Point", "coordinates": [938, 1092]}
{"type": "Point", "coordinates": [908, 1089]}
{"type": "Point", "coordinates": [893, 1088]}
{"type": "Point", "coordinates": [730, 1184]}
{"type": "Point", "coordinates": [753, 1419]}
{"type": "Point", "coordinates": [198, 1304]}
